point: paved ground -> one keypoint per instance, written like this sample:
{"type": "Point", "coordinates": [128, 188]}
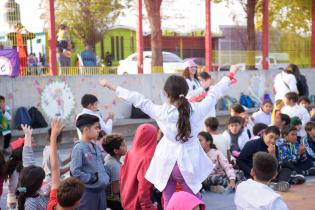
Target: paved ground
{"type": "Point", "coordinates": [299, 197]}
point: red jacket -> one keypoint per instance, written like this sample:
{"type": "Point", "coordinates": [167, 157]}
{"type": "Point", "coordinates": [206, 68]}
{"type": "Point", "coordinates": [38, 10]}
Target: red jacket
{"type": "Point", "coordinates": [135, 190]}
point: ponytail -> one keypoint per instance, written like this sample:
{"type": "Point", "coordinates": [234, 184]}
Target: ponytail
{"type": "Point", "coordinates": [21, 197]}
{"type": "Point", "coordinates": [183, 124]}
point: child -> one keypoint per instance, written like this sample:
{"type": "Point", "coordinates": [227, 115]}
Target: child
{"type": "Point", "coordinates": [292, 109]}
{"type": "Point", "coordinates": [47, 166]}
{"type": "Point", "coordinates": [5, 121]}
{"type": "Point", "coordinates": [31, 178]}
{"type": "Point", "coordinates": [259, 130]}
{"type": "Point", "coordinates": [256, 194]}
{"type": "Point", "coordinates": [312, 113]}
{"type": "Point", "coordinates": [305, 102]}
{"type": "Point", "coordinates": [179, 157]}
{"type": "Point", "coordinates": [282, 120]}
{"type": "Point", "coordinates": [264, 144]}
{"type": "Point", "coordinates": [185, 201]}
{"type": "Point", "coordinates": [89, 103]}
{"type": "Point", "coordinates": [222, 143]}
{"type": "Point", "coordinates": [12, 171]}
{"type": "Point", "coordinates": [63, 36]}
{"type": "Point", "coordinates": [223, 174]}
{"type": "Point", "coordinates": [135, 190]}
{"type": "Point", "coordinates": [236, 136]}
{"type": "Point", "coordinates": [64, 195]}
{"type": "Point", "coordinates": [264, 114]}
{"type": "Point", "coordinates": [309, 140]}
{"type": "Point", "coordinates": [236, 110]}
{"type": "Point", "coordinates": [291, 154]}
{"type": "Point", "coordinates": [276, 111]}
{"type": "Point", "coordinates": [87, 164]}
{"type": "Point", "coordinates": [297, 123]}
{"type": "Point", "coordinates": [114, 145]}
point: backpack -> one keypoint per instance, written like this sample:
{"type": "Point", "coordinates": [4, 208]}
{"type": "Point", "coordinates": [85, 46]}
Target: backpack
{"type": "Point", "coordinates": [302, 86]}
{"type": "Point", "coordinates": [38, 121]}
{"type": "Point", "coordinates": [225, 103]}
{"type": "Point", "coordinates": [246, 101]}
{"type": "Point", "coordinates": [22, 117]}
{"type": "Point", "coordinates": [138, 114]}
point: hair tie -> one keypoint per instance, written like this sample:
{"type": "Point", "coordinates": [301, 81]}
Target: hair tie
{"type": "Point", "coordinates": [21, 189]}
{"type": "Point", "coordinates": [181, 96]}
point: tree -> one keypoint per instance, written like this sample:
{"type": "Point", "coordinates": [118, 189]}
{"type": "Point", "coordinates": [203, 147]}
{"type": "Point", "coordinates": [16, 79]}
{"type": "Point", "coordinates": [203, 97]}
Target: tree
{"type": "Point", "coordinates": [154, 15]}
{"type": "Point", "coordinates": [87, 20]}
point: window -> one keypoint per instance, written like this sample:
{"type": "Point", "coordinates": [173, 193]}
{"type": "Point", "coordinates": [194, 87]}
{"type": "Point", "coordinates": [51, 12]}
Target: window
{"type": "Point", "coordinates": [112, 43]}
{"type": "Point", "coordinates": [122, 47]}
{"type": "Point", "coordinates": [132, 44]}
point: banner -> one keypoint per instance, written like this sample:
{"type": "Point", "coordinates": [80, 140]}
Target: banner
{"type": "Point", "coordinates": [9, 62]}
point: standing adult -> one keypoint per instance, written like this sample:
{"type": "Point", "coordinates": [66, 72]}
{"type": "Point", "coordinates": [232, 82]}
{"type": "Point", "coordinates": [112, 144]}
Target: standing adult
{"type": "Point", "coordinates": [191, 75]}
{"type": "Point", "coordinates": [301, 82]}
{"type": "Point", "coordinates": [284, 83]}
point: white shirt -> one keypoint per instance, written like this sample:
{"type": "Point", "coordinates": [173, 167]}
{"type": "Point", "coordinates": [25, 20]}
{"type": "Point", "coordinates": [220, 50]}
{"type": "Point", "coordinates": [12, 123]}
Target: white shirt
{"type": "Point", "coordinates": [242, 139]}
{"type": "Point", "coordinates": [106, 127]}
{"type": "Point", "coordinates": [300, 112]}
{"type": "Point", "coordinates": [252, 195]}
{"type": "Point", "coordinates": [195, 88]}
{"type": "Point", "coordinates": [283, 84]}
{"type": "Point", "coordinates": [192, 161]}
{"type": "Point", "coordinates": [262, 117]}
{"type": "Point", "coordinates": [222, 143]}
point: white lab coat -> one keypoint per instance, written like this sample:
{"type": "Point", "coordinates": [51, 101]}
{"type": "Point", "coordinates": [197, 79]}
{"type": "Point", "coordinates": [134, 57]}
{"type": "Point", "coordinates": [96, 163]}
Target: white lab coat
{"type": "Point", "coordinates": [192, 161]}
{"type": "Point", "coordinates": [283, 84]}
{"type": "Point", "coordinates": [106, 127]}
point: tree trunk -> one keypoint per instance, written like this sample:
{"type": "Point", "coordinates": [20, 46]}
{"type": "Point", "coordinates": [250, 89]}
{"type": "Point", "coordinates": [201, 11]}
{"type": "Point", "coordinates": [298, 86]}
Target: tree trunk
{"type": "Point", "coordinates": [251, 43]}
{"type": "Point", "coordinates": [153, 10]}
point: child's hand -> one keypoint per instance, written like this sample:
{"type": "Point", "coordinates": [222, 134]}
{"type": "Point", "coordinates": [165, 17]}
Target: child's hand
{"type": "Point", "coordinates": [301, 149]}
{"type": "Point", "coordinates": [110, 116]}
{"type": "Point", "coordinates": [106, 83]}
{"type": "Point", "coordinates": [232, 184]}
{"type": "Point", "coordinates": [27, 130]}
{"type": "Point", "coordinates": [234, 69]}
{"type": "Point", "coordinates": [271, 149]}
{"type": "Point", "coordinates": [56, 127]}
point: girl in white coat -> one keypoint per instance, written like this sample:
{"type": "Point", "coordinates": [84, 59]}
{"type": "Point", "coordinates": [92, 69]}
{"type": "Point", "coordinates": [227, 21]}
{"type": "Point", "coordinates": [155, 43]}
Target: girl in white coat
{"type": "Point", "coordinates": [178, 158]}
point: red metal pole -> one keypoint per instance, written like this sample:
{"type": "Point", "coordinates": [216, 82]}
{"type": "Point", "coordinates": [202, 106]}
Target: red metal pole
{"type": "Point", "coordinates": [52, 40]}
{"type": "Point", "coordinates": [313, 34]}
{"type": "Point", "coordinates": [265, 35]}
{"type": "Point", "coordinates": [208, 38]}
{"type": "Point", "coordinates": [139, 37]}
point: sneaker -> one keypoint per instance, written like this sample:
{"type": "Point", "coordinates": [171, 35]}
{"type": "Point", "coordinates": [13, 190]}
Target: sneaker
{"type": "Point", "coordinates": [280, 186]}
{"type": "Point", "coordinates": [217, 189]}
{"type": "Point", "coordinates": [297, 179]}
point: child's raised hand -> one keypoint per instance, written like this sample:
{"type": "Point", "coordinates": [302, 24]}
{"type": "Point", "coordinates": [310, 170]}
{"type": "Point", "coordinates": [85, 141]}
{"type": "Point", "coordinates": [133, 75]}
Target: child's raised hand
{"type": "Point", "coordinates": [27, 130]}
{"type": "Point", "coordinates": [106, 83]}
{"type": "Point", "coordinates": [234, 69]}
{"type": "Point", "coordinates": [56, 127]}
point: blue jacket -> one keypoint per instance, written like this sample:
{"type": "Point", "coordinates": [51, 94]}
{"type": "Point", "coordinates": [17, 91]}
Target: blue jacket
{"type": "Point", "coordinates": [87, 165]}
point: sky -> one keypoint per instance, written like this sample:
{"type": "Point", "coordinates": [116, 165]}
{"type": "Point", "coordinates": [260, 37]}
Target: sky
{"type": "Point", "coordinates": [193, 18]}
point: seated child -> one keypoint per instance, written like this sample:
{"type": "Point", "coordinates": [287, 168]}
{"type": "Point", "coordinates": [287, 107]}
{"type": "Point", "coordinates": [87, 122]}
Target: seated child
{"type": "Point", "coordinates": [297, 123]}
{"type": "Point", "coordinates": [309, 140]}
{"type": "Point", "coordinates": [305, 102]}
{"type": "Point", "coordinates": [276, 111]}
{"type": "Point", "coordinates": [282, 120]}
{"type": "Point", "coordinates": [236, 110]}
{"type": "Point", "coordinates": [259, 130]}
{"type": "Point", "coordinates": [185, 201]}
{"type": "Point", "coordinates": [89, 103]}
{"type": "Point", "coordinates": [239, 110]}
{"type": "Point", "coordinates": [236, 135]}
{"type": "Point", "coordinates": [264, 113]}
{"type": "Point", "coordinates": [256, 194]}
{"type": "Point", "coordinates": [47, 166]}
{"type": "Point", "coordinates": [223, 174]}
{"type": "Point", "coordinates": [291, 154]}
{"type": "Point", "coordinates": [66, 194]}
{"type": "Point", "coordinates": [114, 145]}
{"type": "Point", "coordinates": [222, 143]}
{"type": "Point", "coordinates": [135, 190]}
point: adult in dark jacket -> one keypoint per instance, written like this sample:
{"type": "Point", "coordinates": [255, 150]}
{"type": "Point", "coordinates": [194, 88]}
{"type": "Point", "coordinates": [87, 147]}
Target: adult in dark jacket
{"type": "Point", "coordinates": [301, 81]}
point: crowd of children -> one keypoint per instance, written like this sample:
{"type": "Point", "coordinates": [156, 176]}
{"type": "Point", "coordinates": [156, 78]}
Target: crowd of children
{"type": "Point", "coordinates": [256, 155]}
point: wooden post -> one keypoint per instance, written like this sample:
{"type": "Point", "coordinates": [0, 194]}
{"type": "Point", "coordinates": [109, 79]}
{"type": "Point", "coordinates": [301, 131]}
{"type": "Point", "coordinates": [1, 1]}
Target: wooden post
{"type": "Point", "coordinates": [313, 34]}
{"type": "Point", "coordinates": [208, 38]}
{"type": "Point", "coordinates": [139, 37]}
{"type": "Point", "coordinates": [52, 40]}
{"type": "Point", "coordinates": [265, 35]}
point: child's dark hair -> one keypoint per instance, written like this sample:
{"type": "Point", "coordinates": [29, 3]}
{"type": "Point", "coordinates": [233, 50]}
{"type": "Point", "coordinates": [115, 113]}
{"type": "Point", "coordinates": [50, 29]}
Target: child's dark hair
{"type": "Point", "coordinates": [30, 181]}
{"type": "Point", "coordinates": [287, 129]}
{"type": "Point", "coordinates": [69, 192]}
{"type": "Point", "coordinates": [259, 128]}
{"type": "Point", "coordinates": [267, 101]}
{"type": "Point", "coordinates": [13, 163]}
{"type": "Point", "coordinates": [112, 142]}
{"type": "Point", "coordinates": [101, 135]}
{"type": "Point", "coordinates": [236, 119]}
{"type": "Point", "coordinates": [86, 120]}
{"type": "Point", "coordinates": [208, 138]}
{"type": "Point", "coordinates": [62, 26]}
{"type": "Point", "coordinates": [2, 98]}
{"type": "Point", "coordinates": [285, 118]}
{"type": "Point", "coordinates": [304, 98]}
{"type": "Point", "coordinates": [204, 75]}
{"type": "Point", "coordinates": [272, 129]}
{"type": "Point", "coordinates": [176, 89]}
{"type": "Point", "coordinates": [265, 166]}
{"type": "Point", "coordinates": [88, 99]}
{"type": "Point", "coordinates": [238, 108]}
{"type": "Point", "coordinates": [2, 164]}
{"type": "Point", "coordinates": [292, 96]}
{"type": "Point", "coordinates": [309, 126]}
{"type": "Point", "coordinates": [212, 123]}
{"type": "Point", "coordinates": [59, 137]}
